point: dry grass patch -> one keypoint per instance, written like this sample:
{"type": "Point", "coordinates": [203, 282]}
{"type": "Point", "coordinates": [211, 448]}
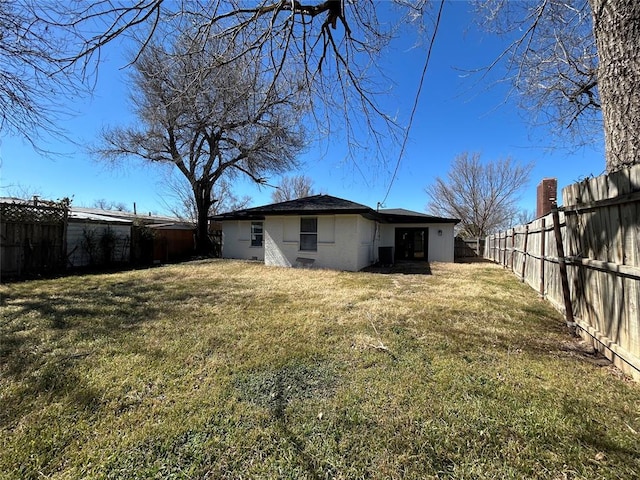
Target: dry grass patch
{"type": "Point", "coordinates": [221, 369]}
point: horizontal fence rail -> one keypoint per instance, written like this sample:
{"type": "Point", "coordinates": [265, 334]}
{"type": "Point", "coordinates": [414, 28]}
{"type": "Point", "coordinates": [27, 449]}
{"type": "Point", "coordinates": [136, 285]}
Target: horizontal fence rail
{"type": "Point", "coordinates": [599, 230]}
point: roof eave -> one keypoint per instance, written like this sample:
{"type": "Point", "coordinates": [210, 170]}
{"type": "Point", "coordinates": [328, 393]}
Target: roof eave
{"type": "Point", "coordinates": [386, 218]}
{"type": "Point", "coordinates": [288, 213]}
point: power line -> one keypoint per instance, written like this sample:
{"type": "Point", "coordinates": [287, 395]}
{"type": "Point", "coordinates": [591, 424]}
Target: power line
{"type": "Point", "coordinates": [415, 103]}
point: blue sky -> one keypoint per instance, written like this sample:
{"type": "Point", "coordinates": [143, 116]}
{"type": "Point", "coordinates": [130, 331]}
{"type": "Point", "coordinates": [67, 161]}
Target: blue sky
{"type": "Point", "coordinates": [457, 112]}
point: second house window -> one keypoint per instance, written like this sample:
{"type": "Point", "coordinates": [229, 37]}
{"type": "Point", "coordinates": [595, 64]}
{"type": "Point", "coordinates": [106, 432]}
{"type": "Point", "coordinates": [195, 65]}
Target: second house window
{"type": "Point", "coordinates": [256, 234]}
{"type": "Point", "coordinates": [309, 234]}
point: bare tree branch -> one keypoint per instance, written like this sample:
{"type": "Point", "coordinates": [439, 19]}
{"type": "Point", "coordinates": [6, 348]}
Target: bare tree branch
{"type": "Point", "coordinates": [209, 117]}
{"type": "Point", "coordinates": [334, 44]}
{"type": "Point", "coordinates": [482, 195]}
{"type": "Point", "coordinates": [292, 187]}
{"type": "Point", "coordinates": [551, 61]}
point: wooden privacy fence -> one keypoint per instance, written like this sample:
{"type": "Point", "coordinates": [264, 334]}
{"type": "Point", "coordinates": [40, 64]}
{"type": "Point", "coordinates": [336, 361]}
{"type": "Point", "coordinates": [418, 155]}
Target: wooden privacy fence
{"type": "Point", "coordinates": [468, 247]}
{"type": "Point", "coordinates": [599, 242]}
{"type": "Point", "coordinates": [31, 238]}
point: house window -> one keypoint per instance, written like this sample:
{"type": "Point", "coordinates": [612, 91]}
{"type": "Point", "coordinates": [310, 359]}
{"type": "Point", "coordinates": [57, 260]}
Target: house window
{"type": "Point", "coordinates": [256, 234]}
{"type": "Point", "coordinates": [309, 234]}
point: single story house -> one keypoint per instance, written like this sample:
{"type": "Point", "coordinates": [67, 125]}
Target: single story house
{"type": "Point", "coordinates": [330, 232]}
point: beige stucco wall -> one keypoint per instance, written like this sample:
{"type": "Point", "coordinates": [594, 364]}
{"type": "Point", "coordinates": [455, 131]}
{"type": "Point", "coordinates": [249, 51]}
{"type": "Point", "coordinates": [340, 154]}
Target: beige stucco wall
{"type": "Point", "coordinates": [337, 246]}
{"type": "Point", "coordinates": [236, 241]}
{"type": "Point", "coordinates": [367, 243]}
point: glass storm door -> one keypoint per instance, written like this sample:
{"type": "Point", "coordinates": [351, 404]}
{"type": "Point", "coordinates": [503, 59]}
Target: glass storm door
{"type": "Point", "coordinates": [412, 244]}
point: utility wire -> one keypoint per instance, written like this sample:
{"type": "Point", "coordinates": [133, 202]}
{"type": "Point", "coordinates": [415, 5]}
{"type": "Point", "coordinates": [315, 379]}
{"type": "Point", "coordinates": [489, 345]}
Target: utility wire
{"type": "Point", "coordinates": [415, 103]}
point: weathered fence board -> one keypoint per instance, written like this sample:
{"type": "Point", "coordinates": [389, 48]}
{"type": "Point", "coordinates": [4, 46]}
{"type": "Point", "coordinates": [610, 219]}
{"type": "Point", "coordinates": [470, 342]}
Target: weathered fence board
{"type": "Point", "coordinates": [468, 247]}
{"type": "Point", "coordinates": [600, 229]}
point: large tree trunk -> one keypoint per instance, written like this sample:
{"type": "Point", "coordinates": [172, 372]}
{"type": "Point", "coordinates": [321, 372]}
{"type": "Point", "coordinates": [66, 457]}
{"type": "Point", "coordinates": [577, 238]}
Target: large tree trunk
{"type": "Point", "coordinates": [616, 25]}
{"type": "Point", "coordinates": [204, 246]}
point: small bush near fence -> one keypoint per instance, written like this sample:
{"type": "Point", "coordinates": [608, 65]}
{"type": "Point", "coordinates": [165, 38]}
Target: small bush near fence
{"type": "Point", "coordinates": [142, 240]}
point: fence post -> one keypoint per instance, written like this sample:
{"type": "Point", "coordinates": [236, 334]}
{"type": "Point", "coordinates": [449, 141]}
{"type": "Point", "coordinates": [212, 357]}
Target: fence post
{"type": "Point", "coordinates": [525, 253]}
{"type": "Point", "coordinates": [493, 242]}
{"type": "Point", "coordinates": [513, 248]}
{"type": "Point", "coordinates": [542, 255]}
{"type": "Point", "coordinates": [566, 294]}
{"type": "Point", "coordinates": [505, 258]}
{"type": "Point", "coordinates": [65, 227]}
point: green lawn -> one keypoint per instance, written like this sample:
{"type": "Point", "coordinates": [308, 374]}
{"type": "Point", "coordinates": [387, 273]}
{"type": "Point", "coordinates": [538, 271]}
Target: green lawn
{"type": "Point", "coordinates": [221, 369]}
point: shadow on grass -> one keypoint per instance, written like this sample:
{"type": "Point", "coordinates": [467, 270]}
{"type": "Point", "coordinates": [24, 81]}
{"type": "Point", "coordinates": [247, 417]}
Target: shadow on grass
{"type": "Point", "coordinates": [274, 389]}
{"type": "Point", "coordinates": [531, 329]}
{"type": "Point", "coordinates": [314, 468]}
{"type": "Point", "coordinates": [44, 336]}
{"type": "Point", "coordinates": [402, 267]}
{"type": "Point", "coordinates": [600, 440]}
{"type": "Point", "coordinates": [463, 340]}
{"type": "Point", "coordinates": [472, 260]}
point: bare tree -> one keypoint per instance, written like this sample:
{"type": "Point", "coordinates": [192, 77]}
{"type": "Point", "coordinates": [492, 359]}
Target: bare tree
{"type": "Point", "coordinates": [335, 45]}
{"type": "Point", "coordinates": [23, 192]}
{"type": "Point", "coordinates": [33, 88]}
{"type": "Point", "coordinates": [523, 217]}
{"type": "Point", "coordinates": [575, 64]}
{"type": "Point", "coordinates": [553, 62]}
{"type": "Point", "coordinates": [208, 111]}
{"type": "Point", "coordinates": [225, 200]}
{"type": "Point", "coordinates": [483, 196]}
{"type": "Point", "coordinates": [183, 205]}
{"type": "Point", "coordinates": [104, 204]}
{"type": "Point", "coordinates": [292, 187]}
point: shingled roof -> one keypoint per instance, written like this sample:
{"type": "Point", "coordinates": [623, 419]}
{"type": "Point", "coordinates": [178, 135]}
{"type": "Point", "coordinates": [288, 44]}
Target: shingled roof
{"type": "Point", "coordinates": [400, 215]}
{"type": "Point", "coordinates": [314, 205]}
{"type": "Point", "coordinates": [328, 205]}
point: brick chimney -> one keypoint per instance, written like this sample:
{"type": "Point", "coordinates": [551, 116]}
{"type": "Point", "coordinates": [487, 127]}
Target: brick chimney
{"type": "Point", "coordinates": [547, 194]}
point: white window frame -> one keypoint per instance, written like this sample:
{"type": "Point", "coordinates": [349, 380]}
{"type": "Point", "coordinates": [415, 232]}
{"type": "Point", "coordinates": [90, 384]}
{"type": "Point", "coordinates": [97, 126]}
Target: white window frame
{"type": "Point", "coordinates": [308, 234]}
{"type": "Point", "coordinates": [257, 236]}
